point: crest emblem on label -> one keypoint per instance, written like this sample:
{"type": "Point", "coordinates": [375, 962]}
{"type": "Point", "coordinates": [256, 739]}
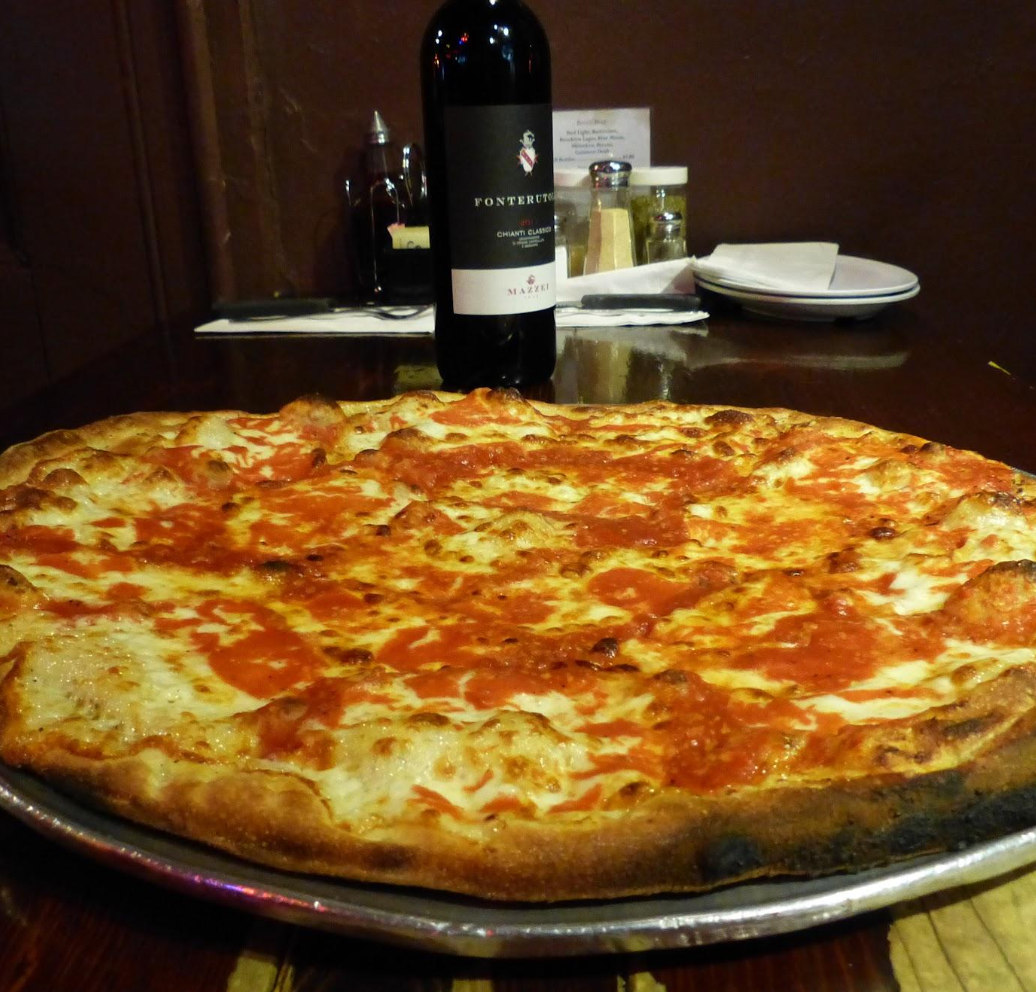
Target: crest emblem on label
{"type": "Point", "coordinates": [527, 154]}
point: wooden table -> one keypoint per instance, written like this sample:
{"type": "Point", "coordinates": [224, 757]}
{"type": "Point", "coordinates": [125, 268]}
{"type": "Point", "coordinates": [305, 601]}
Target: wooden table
{"type": "Point", "coordinates": [68, 923]}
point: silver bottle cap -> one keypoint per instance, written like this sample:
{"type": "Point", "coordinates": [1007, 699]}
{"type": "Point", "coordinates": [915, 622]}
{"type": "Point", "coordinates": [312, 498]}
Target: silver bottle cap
{"type": "Point", "coordinates": [378, 132]}
{"type": "Point", "coordinates": [610, 175]}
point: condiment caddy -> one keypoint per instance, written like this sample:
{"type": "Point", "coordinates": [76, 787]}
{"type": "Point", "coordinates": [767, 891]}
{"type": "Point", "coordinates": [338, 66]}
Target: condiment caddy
{"type": "Point", "coordinates": [613, 216]}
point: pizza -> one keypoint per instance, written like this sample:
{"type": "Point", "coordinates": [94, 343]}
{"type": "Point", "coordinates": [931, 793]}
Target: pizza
{"type": "Point", "coordinates": [523, 651]}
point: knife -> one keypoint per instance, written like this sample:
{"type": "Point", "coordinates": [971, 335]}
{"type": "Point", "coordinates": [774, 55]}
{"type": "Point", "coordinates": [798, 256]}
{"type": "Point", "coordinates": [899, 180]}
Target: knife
{"type": "Point", "coordinates": [640, 301]}
{"type": "Point", "coordinates": [309, 306]}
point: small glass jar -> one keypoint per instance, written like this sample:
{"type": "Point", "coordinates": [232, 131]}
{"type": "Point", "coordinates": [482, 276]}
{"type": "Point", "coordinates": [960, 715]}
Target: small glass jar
{"type": "Point", "coordinates": [572, 209]}
{"type": "Point", "coordinates": [610, 245]}
{"type": "Point", "coordinates": [665, 240]}
{"type": "Point", "coordinates": [656, 190]}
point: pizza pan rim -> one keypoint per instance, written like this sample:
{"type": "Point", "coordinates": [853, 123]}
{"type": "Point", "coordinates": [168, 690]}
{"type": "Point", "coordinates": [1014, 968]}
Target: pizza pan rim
{"type": "Point", "coordinates": [457, 925]}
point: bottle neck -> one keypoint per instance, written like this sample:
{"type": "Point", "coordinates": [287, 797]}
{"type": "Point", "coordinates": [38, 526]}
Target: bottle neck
{"type": "Point", "coordinates": [381, 160]}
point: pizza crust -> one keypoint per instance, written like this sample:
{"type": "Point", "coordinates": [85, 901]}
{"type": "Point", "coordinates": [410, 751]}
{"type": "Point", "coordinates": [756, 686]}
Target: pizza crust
{"type": "Point", "coordinates": [666, 846]}
{"type": "Point", "coordinates": [671, 843]}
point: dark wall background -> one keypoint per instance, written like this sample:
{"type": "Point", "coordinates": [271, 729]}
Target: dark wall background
{"type": "Point", "coordinates": [99, 242]}
{"type": "Point", "coordinates": [906, 131]}
{"type": "Point", "coordinates": [217, 134]}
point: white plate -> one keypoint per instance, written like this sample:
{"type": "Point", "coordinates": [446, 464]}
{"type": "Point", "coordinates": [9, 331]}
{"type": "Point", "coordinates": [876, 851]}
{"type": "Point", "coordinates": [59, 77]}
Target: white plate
{"type": "Point", "coordinates": [853, 277]}
{"type": "Point", "coordinates": [810, 307]}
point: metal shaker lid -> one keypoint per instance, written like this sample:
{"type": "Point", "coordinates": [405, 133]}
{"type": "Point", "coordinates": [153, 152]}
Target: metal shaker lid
{"type": "Point", "coordinates": [667, 225]}
{"type": "Point", "coordinates": [610, 175]}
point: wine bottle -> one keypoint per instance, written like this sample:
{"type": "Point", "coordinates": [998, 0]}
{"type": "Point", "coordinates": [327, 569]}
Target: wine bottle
{"type": "Point", "coordinates": [485, 71]}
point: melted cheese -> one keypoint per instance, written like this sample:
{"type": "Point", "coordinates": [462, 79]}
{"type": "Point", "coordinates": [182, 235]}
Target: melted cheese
{"type": "Point", "coordinates": [478, 607]}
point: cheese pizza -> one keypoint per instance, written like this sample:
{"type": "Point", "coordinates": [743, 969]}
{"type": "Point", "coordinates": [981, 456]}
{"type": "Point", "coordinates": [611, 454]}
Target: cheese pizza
{"type": "Point", "coordinates": [523, 651]}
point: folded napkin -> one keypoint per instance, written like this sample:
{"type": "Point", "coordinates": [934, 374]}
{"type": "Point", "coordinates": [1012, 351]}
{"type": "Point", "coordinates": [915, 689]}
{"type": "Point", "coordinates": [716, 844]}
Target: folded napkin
{"type": "Point", "coordinates": [659, 277]}
{"type": "Point", "coordinates": [977, 938]}
{"type": "Point", "coordinates": [793, 266]}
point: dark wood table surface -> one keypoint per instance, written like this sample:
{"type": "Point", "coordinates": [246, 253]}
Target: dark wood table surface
{"type": "Point", "coordinates": [68, 923]}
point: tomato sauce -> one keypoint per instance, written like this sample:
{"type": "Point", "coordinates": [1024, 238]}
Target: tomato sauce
{"type": "Point", "coordinates": [328, 698]}
{"type": "Point", "coordinates": [254, 650]}
{"type": "Point", "coordinates": [435, 800]}
{"type": "Point", "coordinates": [487, 776]}
{"type": "Point", "coordinates": [587, 801]}
{"type": "Point", "coordinates": [765, 535]}
{"type": "Point", "coordinates": [638, 759]}
{"type": "Point", "coordinates": [473, 411]}
{"type": "Point", "coordinates": [181, 533]}
{"type": "Point", "coordinates": [965, 471]}
{"type": "Point", "coordinates": [503, 609]}
{"type": "Point", "coordinates": [504, 804]}
{"type": "Point", "coordinates": [640, 591]}
{"type": "Point", "coordinates": [441, 684]}
{"type": "Point", "coordinates": [286, 463]}
{"type": "Point", "coordinates": [332, 605]}
{"type": "Point", "coordinates": [94, 566]}
{"type": "Point", "coordinates": [430, 471]}
{"type": "Point", "coordinates": [125, 590]}
{"type": "Point", "coordinates": [39, 540]}
{"type": "Point", "coordinates": [520, 499]}
{"type": "Point", "coordinates": [833, 647]}
{"type": "Point", "coordinates": [492, 689]}
{"type": "Point", "coordinates": [630, 532]}
{"type": "Point", "coordinates": [417, 646]}
{"type": "Point", "coordinates": [74, 609]}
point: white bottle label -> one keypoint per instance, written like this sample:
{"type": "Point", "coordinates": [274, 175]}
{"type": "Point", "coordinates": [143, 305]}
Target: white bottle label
{"type": "Point", "coordinates": [501, 199]}
{"type": "Point", "coordinates": [503, 291]}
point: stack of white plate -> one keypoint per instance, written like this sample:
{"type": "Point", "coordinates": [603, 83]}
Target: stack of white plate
{"type": "Point", "coordinates": [859, 288]}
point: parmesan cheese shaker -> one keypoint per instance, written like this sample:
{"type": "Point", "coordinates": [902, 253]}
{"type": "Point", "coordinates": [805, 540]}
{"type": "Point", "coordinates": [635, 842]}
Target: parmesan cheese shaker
{"type": "Point", "coordinates": [610, 244]}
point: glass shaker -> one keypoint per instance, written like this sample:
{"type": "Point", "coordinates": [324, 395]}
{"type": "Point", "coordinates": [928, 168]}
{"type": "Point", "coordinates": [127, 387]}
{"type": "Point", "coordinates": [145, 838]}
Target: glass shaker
{"type": "Point", "coordinates": [572, 204]}
{"type": "Point", "coordinates": [655, 190]}
{"type": "Point", "coordinates": [560, 245]}
{"type": "Point", "coordinates": [610, 244]}
{"type": "Point", "coordinates": [665, 240]}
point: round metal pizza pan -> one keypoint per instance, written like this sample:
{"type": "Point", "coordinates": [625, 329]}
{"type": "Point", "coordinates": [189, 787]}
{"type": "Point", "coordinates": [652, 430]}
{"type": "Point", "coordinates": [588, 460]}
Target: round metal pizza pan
{"type": "Point", "coordinates": [431, 921]}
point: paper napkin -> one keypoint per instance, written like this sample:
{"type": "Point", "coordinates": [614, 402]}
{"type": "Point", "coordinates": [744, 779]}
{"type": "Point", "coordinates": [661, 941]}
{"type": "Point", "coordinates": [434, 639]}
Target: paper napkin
{"type": "Point", "coordinates": [659, 277]}
{"type": "Point", "coordinates": [353, 323]}
{"type": "Point", "coordinates": [792, 267]}
{"type": "Point", "coordinates": [408, 320]}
